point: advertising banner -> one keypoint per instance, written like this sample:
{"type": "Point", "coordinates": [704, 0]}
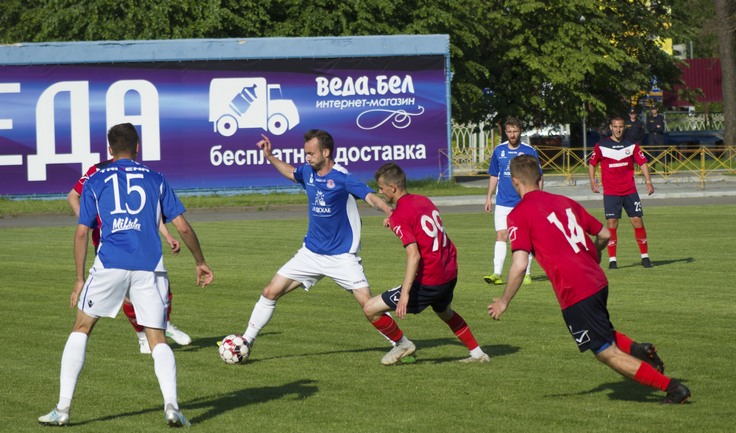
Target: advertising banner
{"type": "Point", "coordinates": [199, 120]}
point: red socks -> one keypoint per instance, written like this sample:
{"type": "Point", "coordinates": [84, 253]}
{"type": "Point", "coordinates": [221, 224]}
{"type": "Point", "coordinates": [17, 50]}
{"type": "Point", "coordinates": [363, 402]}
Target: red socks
{"type": "Point", "coordinates": [130, 314]}
{"type": "Point", "coordinates": [387, 326]}
{"type": "Point", "coordinates": [461, 329]}
{"type": "Point", "coordinates": [612, 244]}
{"type": "Point", "coordinates": [647, 375]}
{"type": "Point", "coordinates": [641, 240]}
{"type": "Point", "coordinates": [623, 342]}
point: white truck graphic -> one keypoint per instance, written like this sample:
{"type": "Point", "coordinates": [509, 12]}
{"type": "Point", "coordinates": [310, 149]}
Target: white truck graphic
{"type": "Point", "coordinates": [250, 103]}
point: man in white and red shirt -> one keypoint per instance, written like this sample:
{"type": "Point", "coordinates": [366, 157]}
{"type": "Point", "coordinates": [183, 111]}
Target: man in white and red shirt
{"type": "Point", "coordinates": [617, 156]}
{"type": "Point", "coordinates": [557, 231]}
{"type": "Point", "coordinates": [431, 269]}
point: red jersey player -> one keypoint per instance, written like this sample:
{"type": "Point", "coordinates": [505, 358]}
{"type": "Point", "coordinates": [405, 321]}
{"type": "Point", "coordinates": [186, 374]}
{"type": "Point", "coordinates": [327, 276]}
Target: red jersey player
{"type": "Point", "coordinates": [556, 230]}
{"type": "Point", "coordinates": [616, 156]}
{"type": "Point", "coordinates": [73, 198]}
{"type": "Point", "coordinates": [431, 269]}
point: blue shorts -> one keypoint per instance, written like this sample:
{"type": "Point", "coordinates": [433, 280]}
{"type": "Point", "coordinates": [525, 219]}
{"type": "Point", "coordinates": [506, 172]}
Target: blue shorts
{"type": "Point", "coordinates": [421, 297]}
{"type": "Point", "coordinates": [612, 205]}
{"type": "Point", "coordinates": [589, 323]}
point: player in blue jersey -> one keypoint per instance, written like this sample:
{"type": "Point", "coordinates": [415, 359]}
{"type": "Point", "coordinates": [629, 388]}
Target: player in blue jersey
{"type": "Point", "coordinates": [506, 195]}
{"type": "Point", "coordinates": [333, 235]}
{"type": "Point", "coordinates": [130, 200]}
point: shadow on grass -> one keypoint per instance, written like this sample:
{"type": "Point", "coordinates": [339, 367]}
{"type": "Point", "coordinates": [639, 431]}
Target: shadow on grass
{"type": "Point", "coordinates": [655, 263]}
{"type": "Point", "coordinates": [492, 350]}
{"type": "Point", "coordinates": [221, 403]}
{"type": "Point", "coordinates": [624, 390]}
{"type": "Point", "coordinates": [218, 404]}
{"type": "Point", "coordinates": [206, 343]}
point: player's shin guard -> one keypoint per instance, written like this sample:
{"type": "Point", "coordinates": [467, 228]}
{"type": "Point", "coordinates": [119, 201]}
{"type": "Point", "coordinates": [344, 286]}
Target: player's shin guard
{"type": "Point", "coordinates": [387, 326]}
{"type": "Point", "coordinates": [72, 362]}
{"type": "Point", "coordinates": [623, 342]}
{"type": "Point", "coordinates": [261, 315]}
{"type": "Point", "coordinates": [612, 244]}
{"type": "Point", "coordinates": [164, 365]}
{"type": "Point", "coordinates": [641, 240]}
{"type": "Point", "coordinates": [130, 314]}
{"type": "Point", "coordinates": [499, 256]}
{"type": "Point", "coordinates": [647, 375]}
{"type": "Point", "coordinates": [460, 328]}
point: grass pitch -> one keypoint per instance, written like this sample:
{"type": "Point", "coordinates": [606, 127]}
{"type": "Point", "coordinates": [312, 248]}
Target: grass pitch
{"type": "Point", "coordinates": [316, 366]}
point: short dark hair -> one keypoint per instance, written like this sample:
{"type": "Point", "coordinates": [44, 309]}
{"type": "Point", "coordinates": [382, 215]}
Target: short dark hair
{"type": "Point", "coordinates": [526, 169]}
{"type": "Point", "coordinates": [323, 138]}
{"type": "Point", "coordinates": [123, 138]}
{"type": "Point", "coordinates": [391, 173]}
{"type": "Point", "coordinates": [617, 117]}
{"type": "Point", "coordinates": [513, 121]}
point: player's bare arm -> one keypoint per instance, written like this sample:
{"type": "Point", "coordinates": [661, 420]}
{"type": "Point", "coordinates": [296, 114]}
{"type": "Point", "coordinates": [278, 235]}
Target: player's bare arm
{"type": "Point", "coordinates": [647, 179]}
{"type": "Point", "coordinates": [593, 183]}
{"type": "Point", "coordinates": [492, 183]}
{"type": "Point", "coordinates": [173, 243]}
{"type": "Point", "coordinates": [286, 170]}
{"type": "Point", "coordinates": [601, 241]}
{"type": "Point", "coordinates": [204, 273]}
{"type": "Point", "coordinates": [377, 202]}
{"type": "Point", "coordinates": [75, 201]}
{"type": "Point", "coordinates": [81, 238]}
{"type": "Point", "coordinates": [412, 264]}
{"type": "Point", "coordinates": [519, 260]}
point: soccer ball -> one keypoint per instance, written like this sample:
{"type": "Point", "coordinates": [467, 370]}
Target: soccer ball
{"type": "Point", "coordinates": [234, 349]}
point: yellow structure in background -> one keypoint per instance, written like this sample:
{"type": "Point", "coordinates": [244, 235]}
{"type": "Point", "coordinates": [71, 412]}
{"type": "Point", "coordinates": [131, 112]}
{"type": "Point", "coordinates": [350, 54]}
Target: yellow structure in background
{"type": "Point", "coordinates": [702, 163]}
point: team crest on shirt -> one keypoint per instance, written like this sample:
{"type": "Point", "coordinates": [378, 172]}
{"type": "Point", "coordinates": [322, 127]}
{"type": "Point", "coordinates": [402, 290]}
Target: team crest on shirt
{"type": "Point", "coordinates": [330, 183]}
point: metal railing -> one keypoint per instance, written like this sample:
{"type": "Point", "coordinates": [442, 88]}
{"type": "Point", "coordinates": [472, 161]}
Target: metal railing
{"type": "Point", "coordinates": [702, 164]}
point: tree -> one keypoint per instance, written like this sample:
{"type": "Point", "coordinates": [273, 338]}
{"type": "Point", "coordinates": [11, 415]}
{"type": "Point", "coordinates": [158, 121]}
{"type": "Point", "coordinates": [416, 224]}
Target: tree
{"type": "Point", "coordinates": [96, 20]}
{"type": "Point", "coordinates": [726, 24]}
{"type": "Point", "coordinates": [545, 62]}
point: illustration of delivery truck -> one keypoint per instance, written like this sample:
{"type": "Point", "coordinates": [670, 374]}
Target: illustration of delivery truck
{"type": "Point", "coordinates": [250, 103]}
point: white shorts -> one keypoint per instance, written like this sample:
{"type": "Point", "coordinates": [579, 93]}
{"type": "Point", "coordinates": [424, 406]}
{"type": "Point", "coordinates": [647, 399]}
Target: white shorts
{"type": "Point", "coordinates": [499, 217]}
{"type": "Point", "coordinates": [105, 289]}
{"type": "Point", "coordinates": [308, 268]}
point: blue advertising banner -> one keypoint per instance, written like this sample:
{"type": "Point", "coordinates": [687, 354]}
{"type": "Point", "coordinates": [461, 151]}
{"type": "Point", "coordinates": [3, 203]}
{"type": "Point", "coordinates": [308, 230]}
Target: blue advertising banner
{"type": "Point", "coordinates": [200, 119]}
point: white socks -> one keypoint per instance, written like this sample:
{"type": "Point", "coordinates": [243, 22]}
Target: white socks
{"type": "Point", "coordinates": [499, 256]}
{"type": "Point", "coordinates": [164, 365]}
{"type": "Point", "coordinates": [72, 362]}
{"type": "Point", "coordinates": [262, 313]}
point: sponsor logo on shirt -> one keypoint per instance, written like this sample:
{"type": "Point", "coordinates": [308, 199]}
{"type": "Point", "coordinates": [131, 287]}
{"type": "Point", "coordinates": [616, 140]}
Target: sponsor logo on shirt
{"type": "Point", "coordinates": [398, 232]}
{"type": "Point", "coordinates": [618, 164]}
{"type": "Point", "coordinates": [120, 224]}
{"type": "Point", "coordinates": [512, 233]}
{"type": "Point", "coordinates": [320, 205]}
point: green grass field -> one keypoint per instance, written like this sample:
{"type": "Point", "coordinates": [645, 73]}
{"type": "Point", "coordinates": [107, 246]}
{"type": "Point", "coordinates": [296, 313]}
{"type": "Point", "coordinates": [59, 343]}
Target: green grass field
{"type": "Point", "coordinates": [316, 368]}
